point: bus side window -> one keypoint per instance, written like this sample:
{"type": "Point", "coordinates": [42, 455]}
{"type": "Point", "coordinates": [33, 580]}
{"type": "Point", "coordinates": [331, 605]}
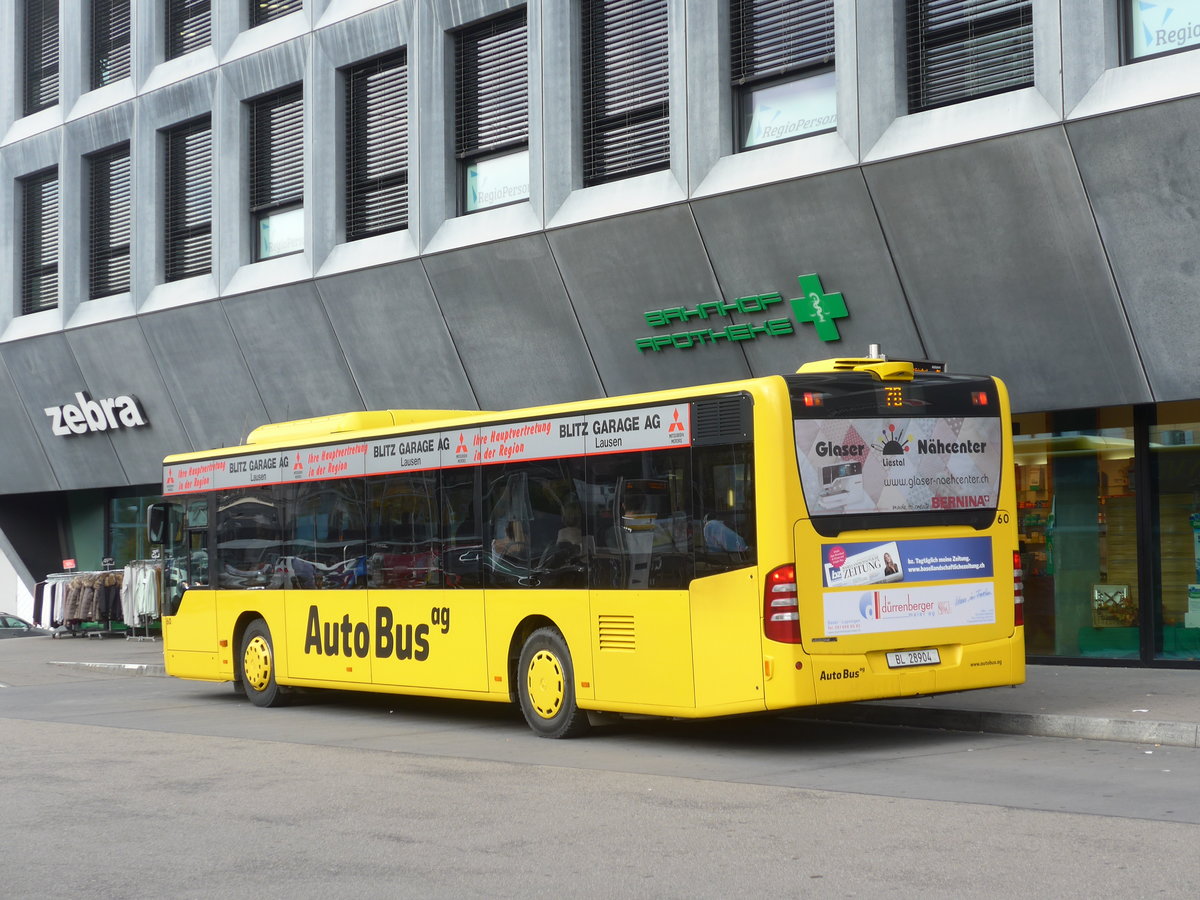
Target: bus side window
{"type": "Point", "coordinates": [529, 538]}
{"type": "Point", "coordinates": [724, 529]}
{"type": "Point", "coordinates": [250, 538]}
{"type": "Point", "coordinates": [638, 520]}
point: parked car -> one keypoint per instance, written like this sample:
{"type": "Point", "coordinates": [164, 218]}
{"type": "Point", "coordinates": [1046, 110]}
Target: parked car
{"type": "Point", "coordinates": [15, 626]}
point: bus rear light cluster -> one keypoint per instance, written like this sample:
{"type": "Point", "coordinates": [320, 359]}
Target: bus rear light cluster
{"type": "Point", "coordinates": [781, 606]}
{"type": "Point", "coordinates": [1018, 590]}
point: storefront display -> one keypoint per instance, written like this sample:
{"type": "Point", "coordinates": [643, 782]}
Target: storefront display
{"type": "Point", "coordinates": [1108, 514]}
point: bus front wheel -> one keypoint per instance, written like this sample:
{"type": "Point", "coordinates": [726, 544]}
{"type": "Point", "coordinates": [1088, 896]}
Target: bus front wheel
{"type": "Point", "coordinates": [546, 684]}
{"type": "Point", "coordinates": [258, 666]}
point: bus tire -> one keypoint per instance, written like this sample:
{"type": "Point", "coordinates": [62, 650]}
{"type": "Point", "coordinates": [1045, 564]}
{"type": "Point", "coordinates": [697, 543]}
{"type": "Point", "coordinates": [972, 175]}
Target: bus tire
{"type": "Point", "coordinates": [546, 685]}
{"type": "Point", "coordinates": [257, 664]}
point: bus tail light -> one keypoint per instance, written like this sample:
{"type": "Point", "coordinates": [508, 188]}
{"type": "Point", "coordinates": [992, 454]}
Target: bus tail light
{"type": "Point", "coordinates": [781, 606]}
{"type": "Point", "coordinates": [1018, 590]}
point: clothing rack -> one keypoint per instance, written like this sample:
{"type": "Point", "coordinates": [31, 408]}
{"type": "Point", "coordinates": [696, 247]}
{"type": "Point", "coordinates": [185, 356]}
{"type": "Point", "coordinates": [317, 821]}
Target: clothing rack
{"type": "Point", "coordinates": [65, 603]}
{"type": "Point", "coordinates": [127, 598]}
{"type": "Point", "coordinates": [141, 580]}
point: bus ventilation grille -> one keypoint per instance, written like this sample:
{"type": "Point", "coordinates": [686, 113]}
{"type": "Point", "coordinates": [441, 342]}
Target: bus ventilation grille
{"type": "Point", "coordinates": [616, 633]}
{"type": "Point", "coordinates": [722, 420]}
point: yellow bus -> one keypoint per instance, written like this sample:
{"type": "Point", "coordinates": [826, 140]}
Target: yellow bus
{"type": "Point", "coordinates": [843, 533]}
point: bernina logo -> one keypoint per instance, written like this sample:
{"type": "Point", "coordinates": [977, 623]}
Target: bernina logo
{"type": "Point", "coordinates": [87, 414]}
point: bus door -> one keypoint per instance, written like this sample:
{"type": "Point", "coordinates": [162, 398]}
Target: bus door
{"type": "Point", "coordinates": [640, 570]}
{"type": "Point", "coordinates": [424, 587]}
{"type": "Point", "coordinates": [189, 642]}
{"type": "Point", "coordinates": [900, 563]}
{"type": "Point", "coordinates": [323, 572]}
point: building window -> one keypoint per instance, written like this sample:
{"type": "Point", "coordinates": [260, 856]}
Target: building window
{"type": "Point", "coordinates": [189, 26]}
{"type": "Point", "coordinates": [1159, 29]}
{"type": "Point", "coordinates": [110, 41]}
{"type": "Point", "coordinates": [626, 80]}
{"type": "Point", "coordinates": [377, 146]}
{"type": "Point", "coordinates": [962, 49]}
{"type": "Point", "coordinates": [266, 10]}
{"type": "Point", "coordinates": [111, 214]}
{"type": "Point", "coordinates": [492, 111]}
{"type": "Point", "coordinates": [39, 241]}
{"type": "Point", "coordinates": [781, 63]}
{"type": "Point", "coordinates": [41, 55]}
{"type": "Point", "coordinates": [187, 251]}
{"type": "Point", "coordinates": [277, 173]}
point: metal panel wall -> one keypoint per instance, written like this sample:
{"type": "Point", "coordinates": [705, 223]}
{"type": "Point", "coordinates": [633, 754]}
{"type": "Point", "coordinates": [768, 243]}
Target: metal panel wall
{"type": "Point", "coordinates": [45, 374]}
{"type": "Point", "coordinates": [617, 269]}
{"type": "Point", "coordinates": [998, 252]}
{"type": "Point", "coordinates": [1139, 168]}
{"type": "Point", "coordinates": [391, 329]}
{"type": "Point", "coordinates": [763, 239]}
{"type": "Point", "coordinates": [513, 324]}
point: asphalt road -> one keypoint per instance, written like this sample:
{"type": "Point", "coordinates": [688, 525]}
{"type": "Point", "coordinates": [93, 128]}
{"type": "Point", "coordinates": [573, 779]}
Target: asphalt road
{"type": "Point", "coordinates": [119, 786]}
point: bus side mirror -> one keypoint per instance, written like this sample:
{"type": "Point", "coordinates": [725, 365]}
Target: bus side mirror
{"type": "Point", "coordinates": [157, 521]}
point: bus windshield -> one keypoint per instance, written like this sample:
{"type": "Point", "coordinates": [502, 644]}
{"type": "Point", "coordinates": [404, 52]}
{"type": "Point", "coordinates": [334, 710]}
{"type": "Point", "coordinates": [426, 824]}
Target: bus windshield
{"type": "Point", "coordinates": [871, 451]}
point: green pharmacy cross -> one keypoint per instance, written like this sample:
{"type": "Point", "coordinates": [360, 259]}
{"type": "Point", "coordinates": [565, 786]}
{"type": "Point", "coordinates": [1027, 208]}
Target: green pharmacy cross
{"type": "Point", "coordinates": [818, 307]}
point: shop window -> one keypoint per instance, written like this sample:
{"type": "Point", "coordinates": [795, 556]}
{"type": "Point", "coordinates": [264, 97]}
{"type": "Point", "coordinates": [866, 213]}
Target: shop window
{"type": "Point", "coordinates": [961, 50]}
{"type": "Point", "coordinates": [277, 173]}
{"type": "Point", "coordinates": [111, 220]}
{"type": "Point", "coordinates": [127, 528]}
{"type": "Point", "coordinates": [110, 41]}
{"type": "Point", "coordinates": [187, 242]}
{"type": "Point", "coordinates": [39, 241]}
{"type": "Point", "coordinates": [40, 55]}
{"type": "Point", "coordinates": [188, 26]}
{"type": "Point", "coordinates": [781, 64]}
{"type": "Point", "coordinates": [626, 82]}
{"type": "Point", "coordinates": [1175, 451]}
{"type": "Point", "coordinates": [1077, 509]}
{"type": "Point", "coordinates": [492, 112]}
{"type": "Point", "coordinates": [265, 10]}
{"type": "Point", "coordinates": [377, 146]}
{"type": "Point", "coordinates": [1159, 29]}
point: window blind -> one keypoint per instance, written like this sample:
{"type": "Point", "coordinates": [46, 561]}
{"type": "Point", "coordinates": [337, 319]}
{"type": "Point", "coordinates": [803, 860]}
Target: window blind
{"type": "Point", "coordinates": [41, 55]}
{"type": "Point", "coordinates": [189, 26]}
{"type": "Point", "coordinates": [626, 81]}
{"type": "Point", "coordinates": [39, 241]}
{"type": "Point", "coordinates": [377, 146]}
{"type": "Point", "coordinates": [265, 10]}
{"type": "Point", "coordinates": [961, 49]}
{"type": "Point", "coordinates": [110, 221]}
{"type": "Point", "coordinates": [188, 213]}
{"type": "Point", "coordinates": [774, 37]}
{"type": "Point", "coordinates": [492, 86]}
{"type": "Point", "coordinates": [277, 150]}
{"type": "Point", "coordinates": [110, 41]}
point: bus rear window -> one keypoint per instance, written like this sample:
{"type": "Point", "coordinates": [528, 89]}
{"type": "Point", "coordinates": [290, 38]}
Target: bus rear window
{"type": "Point", "coordinates": [867, 448]}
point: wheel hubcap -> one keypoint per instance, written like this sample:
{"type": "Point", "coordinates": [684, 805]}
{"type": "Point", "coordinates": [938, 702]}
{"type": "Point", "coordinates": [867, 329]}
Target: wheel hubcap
{"type": "Point", "coordinates": [547, 686]}
{"type": "Point", "coordinates": [256, 664]}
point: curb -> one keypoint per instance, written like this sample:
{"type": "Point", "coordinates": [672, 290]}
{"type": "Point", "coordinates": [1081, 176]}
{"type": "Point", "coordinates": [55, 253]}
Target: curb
{"type": "Point", "coordinates": [115, 668]}
{"type": "Point", "coordinates": [1134, 731]}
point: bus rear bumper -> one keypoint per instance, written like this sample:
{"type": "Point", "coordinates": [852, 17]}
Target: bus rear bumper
{"type": "Point", "coordinates": [847, 678]}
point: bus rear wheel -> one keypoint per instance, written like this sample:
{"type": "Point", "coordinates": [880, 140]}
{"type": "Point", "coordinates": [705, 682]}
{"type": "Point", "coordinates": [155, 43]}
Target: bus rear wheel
{"type": "Point", "coordinates": [546, 685]}
{"type": "Point", "coordinates": [258, 666]}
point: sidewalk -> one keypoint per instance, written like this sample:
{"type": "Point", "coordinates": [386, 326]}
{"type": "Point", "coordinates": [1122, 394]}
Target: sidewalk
{"type": "Point", "coordinates": [1147, 706]}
